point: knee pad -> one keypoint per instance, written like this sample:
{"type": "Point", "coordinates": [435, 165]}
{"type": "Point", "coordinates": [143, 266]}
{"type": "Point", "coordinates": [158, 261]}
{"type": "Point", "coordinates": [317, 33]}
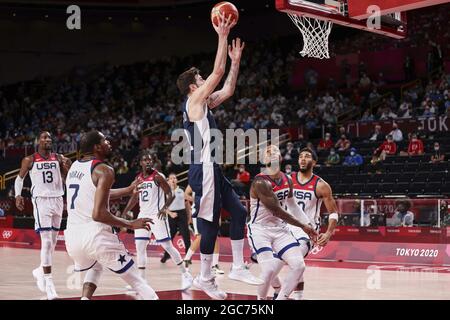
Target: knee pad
{"type": "Point", "coordinates": [93, 274]}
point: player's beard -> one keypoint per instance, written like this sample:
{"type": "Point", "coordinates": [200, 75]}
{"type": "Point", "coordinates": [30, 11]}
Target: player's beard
{"type": "Point", "coordinates": [307, 168]}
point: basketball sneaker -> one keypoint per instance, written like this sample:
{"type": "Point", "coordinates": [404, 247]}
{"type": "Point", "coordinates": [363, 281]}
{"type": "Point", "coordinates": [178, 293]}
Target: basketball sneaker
{"type": "Point", "coordinates": [210, 288]}
{"type": "Point", "coordinates": [242, 273]}
{"type": "Point", "coordinates": [38, 274]}
{"type": "Point", "coordinates": [186, 280]}
{"type": "Point", "coordinates": [216, 269]}
{"type": "Point", "coordinates": [50, 289]}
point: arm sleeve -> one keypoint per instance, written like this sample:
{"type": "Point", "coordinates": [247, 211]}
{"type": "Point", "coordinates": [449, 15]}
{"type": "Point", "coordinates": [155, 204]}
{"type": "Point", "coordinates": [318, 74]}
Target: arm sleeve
{"type": "Point", "coordinates": [18, 185]}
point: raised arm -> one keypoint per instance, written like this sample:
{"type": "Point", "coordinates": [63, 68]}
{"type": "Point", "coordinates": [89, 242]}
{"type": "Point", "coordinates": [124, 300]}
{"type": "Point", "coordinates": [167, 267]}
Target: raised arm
{"type": "Point", "coordinates": [199, 96]}
{"type": "Point", "coordinates": [262, 190]}
{"type": "Point", "coordinates": [235, 53]}
{"type": "Point", "coordinates": [27, 162]}
{"type": "Point", "coordinates": [168, 194]}
{"type": "Point", "coordinates": [324, 191]}
{"type": "Point", "coordinates": [103, 178]}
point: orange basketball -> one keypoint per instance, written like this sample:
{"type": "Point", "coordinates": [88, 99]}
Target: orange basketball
{"type": "Point", "coordinates": [225, 8]}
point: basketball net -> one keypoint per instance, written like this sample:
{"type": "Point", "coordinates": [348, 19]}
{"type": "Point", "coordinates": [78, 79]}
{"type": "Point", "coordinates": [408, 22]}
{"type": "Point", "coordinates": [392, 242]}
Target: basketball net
{"type": "Point", "coordinates": [315, 34]}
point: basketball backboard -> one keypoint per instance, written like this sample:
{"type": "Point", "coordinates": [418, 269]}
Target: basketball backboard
{"type": "Point", "coordinates": [392, 24]}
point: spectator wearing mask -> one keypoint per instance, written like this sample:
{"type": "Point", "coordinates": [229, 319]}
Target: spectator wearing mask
{"type": "Point", "coordinates": [343, 144]}
{"type": "Point", "coordinates": [396, 133]}
{"type": "Point", "coordinates": [288, 169]}
{"type": "Point", "coordinates": [438, 154]}
{"type": "Point", "coordinates": [388, 147]}
{"type": "Point", "coordinates": [377, 135]}
{"type": "Point", "coordinates": [415, 147]}
{"type": "Point", "coordinates": [325, 144]}
{"type": "Point", "coordinates": [354, 159]}
{"type": "Point", "coordinates": [402, 216]}
{"type": "Point", "coordinates": [333, 158]}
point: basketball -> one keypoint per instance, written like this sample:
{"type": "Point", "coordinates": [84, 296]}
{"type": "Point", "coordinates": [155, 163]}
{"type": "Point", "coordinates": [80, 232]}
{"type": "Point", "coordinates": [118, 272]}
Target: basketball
{"type": "Point", "coordinates": [226, 8]}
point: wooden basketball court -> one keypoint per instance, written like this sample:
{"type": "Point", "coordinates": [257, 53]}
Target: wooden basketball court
{"type": "Point", "coordinates": [323, 280]}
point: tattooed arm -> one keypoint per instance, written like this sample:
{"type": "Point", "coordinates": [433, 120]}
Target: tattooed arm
{"type": "Point", "coordinates": [235, 53]}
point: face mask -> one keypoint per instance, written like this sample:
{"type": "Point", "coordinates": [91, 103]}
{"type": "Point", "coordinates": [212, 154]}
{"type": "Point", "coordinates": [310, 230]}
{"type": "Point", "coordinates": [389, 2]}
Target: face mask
{"type": "Point", "coordinates": [288, 171]}
{"type": "Point", "coordinates": [436, 148]}
{"type": "Point", "coordinates": [241, 170]}
{"type": "Point", "coordinates": [332, 152]}
{"type": "Point", "coordinates": [352, 153]}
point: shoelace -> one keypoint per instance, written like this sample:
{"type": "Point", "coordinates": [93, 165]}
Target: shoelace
{"type": "Point", "coordinates": [213, 284]}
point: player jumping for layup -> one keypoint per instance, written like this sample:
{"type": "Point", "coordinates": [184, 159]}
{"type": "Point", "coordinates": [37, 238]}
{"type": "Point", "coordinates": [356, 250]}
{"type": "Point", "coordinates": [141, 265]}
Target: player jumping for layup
{"type": "Point", "coordinates": [309, 192]}
{"type": "Point", "coordinates": [271, 192]}
{"type": "Point", "coordinates": [212, 190]}
{"type": "Point", "coordinates": [155, 198]}
{"type": "Point", "coordinates": [47, 171]}
{"type": "Point", "coordinates": [90, 238]}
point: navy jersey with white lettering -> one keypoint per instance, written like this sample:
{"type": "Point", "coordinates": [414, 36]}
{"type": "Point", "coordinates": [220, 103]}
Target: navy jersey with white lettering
{"type": "Point", "coordinates": [199, 134]}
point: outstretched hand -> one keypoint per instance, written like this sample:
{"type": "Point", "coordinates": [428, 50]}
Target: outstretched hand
{"type": "Point", "coordinates": [225, 25]}
{"type": "Point", "coordinates": [309, 230]}
{"type": "Point", "coordinates": [135, 185]}
{"type": "Point", "coordinates": [235, 49]}
{"type": "Point", "coordinates": [141, 223]}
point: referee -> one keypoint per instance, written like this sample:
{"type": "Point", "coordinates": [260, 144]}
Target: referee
{"type": "Point", "coordinates": [178, 220]}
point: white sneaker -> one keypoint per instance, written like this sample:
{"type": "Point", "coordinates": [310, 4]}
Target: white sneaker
{"type": "Point", "coordinates": [216, 269]}
{"type": "Point", "coordinates": [210, 288]}
{"type": "Point", "coordinates": [38, 274]}
{"type": "Point", "coordinates": [186, 280]}
{"type": "Point", "coordinates": [128, 288]}
{"type": "Point", "coordinates": [50, 289]}
{"type": "Point", "coordinates": [243, 274]}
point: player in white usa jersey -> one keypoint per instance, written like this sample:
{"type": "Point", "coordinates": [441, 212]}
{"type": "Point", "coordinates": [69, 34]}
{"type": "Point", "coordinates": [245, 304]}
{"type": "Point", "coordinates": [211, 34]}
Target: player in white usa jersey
{"type": "Point", "coordinates": [154, 200]}
{"type": "Point", "coordinates": [270, 194]}
{"type": "Point", "coordinates": [309, 192]}
{"type": "Point", "coordinates": [90, 239]}
{"type": "Point", "coordinates": [47, 171]}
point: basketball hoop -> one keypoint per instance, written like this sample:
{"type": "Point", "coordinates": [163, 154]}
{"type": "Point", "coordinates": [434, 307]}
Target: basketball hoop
{"type": "Point", "coordinates": [315, 34]}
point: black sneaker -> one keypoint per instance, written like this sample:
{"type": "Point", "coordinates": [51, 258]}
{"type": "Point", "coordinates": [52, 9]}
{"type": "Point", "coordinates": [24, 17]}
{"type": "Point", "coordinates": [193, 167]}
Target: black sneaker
{"type": "Point", "coordinates": [253, 257]}
{"type": "Point", "coordinates": [165, 257]}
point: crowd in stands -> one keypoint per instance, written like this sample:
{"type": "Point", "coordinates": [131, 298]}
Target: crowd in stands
{"type": "Point", "coordinates": [122, 101]}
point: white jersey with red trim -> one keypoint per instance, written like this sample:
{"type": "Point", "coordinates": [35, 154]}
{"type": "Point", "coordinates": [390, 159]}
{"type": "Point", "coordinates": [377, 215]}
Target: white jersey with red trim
{"type": "Point", "coordinates": [151, 195]}
{"type": "Point", "coordinates": [45, 175]}
{"type": "Point", "coordinates": [305, 195]}
{"type": "Point", "coordinates": [81, 192]}
{"type": "Point", "coordinates": [259, 214]}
